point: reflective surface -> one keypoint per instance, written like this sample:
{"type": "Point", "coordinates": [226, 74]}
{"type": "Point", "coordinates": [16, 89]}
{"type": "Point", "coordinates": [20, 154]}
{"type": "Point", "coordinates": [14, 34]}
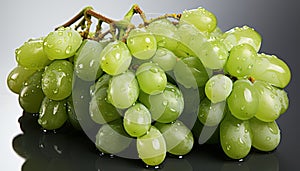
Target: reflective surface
{"type": "Point", "coordinates": [33, 150]}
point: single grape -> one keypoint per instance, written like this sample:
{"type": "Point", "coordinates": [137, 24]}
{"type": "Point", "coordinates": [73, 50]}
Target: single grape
{"type": "Point", "coordinates": [53, 114]}
{"type": "Point", "coordinates": [31, 55]}
{"type": "Point", "coordinates": [62, 43]}
{"type": "Point", "coordinates": [284, 99]}
{"type": "Point", "coordinates": [271, 69]}
{"type": "Point", "coordinates": [151, 78]}
{"type": "Point", "coordinates": [218, 88]}
{"type": "Point", "coordinates": [241, 60]}
{"type": "Point", "coordinates": [141, 43]}
{"type": "Point", "coordinates": [16, 78]}
{"type": "Point", "coordinates": [115, 58]}
{"type": "Point", "coordinates": [57, 80]}
{"type": "Point", "coordinates": [190, 72]}
{"type": "Point", "coordinates": [201, 18]}
{"type": "Point", "coordinates": [211, 114]}
{"type": "Point", "coordinates": [123, 90]}
{"type": "Point", "coordinates": [101, 111]}
{"type": "Point", "coordinates": [165, 33]}
{"type": "Point", "coordinates": [31, 94]}
{"type": "Point", "coordinates": [165, 59]}
{"type": "Point", "coordinates": [165, 107]}
{"type": "Point", "coordinates": [151, 147]}
{"type": "Point", "coordinates": [179, 139]}
{"type": "Point", "coordinates": [137, 120]}
{"type": "Point", "coordinates": [242, 35]}
{"type": "Point", "coordinates": [235, 137]}
{"type": "Point", "coordinates": [269, 106]}
{"type": "Point", "coordinates": [112, 138]}
{"type": "Point", "coordinates": [87, 60]}
{"type": "Point", "coordinates": [266, 135]}
{"type": "Point", "coordinates": [243, 101]}
{"type": "Point", "coordinates": [102, 82]}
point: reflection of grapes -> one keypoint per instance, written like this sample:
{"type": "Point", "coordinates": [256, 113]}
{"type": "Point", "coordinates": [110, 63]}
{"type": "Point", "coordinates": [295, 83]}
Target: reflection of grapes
{"type": "Point", "coordinates": [136, 88]}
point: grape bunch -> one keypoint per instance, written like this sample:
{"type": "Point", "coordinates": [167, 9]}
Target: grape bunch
{"type": "Point", "coordinates": [153, 88]}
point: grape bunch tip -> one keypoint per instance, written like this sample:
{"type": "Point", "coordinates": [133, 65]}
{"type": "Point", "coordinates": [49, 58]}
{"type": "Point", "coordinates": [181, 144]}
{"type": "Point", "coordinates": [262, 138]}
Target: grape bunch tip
{"type": "Point", "coordinates": [154, 85]}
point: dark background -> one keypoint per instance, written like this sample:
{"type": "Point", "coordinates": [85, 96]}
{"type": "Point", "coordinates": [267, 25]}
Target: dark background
{"type": "Point", "coordinates": [276, 20]}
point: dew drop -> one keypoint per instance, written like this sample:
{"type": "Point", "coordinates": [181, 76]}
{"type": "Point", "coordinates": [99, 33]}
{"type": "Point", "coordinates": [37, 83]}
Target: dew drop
{"type": "Point", "coordinates": [228, 147]}
{"type": "Point", "coordinates": [154, 70]}
{"type": "Point", "coordinates": [68, 50]}
{"type": "Point", "coordinates": [70, 34]}
{"type": "Point", "coordinates": [268, 138]}
{"type": "Point", "coordinates": [165, 103]}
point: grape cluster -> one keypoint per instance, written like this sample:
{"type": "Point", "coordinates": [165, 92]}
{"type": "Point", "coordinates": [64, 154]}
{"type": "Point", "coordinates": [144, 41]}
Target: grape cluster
{"type": "Point", "coordinates": [144, 82]}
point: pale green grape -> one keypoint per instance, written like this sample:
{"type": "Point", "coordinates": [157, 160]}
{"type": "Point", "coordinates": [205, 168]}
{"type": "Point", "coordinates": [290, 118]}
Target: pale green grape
{"type": "Point", "coordinates": [213, 54]}
{"type": "Point", "coordinates": [243, 101]}
{"type": "Point", "coordinates": [112, 138]}
{"type": "Point", "coordinates": [141, 43]}
{"type": "Point", "coordinates": [31, 55]}
{"type": "Point", "coordinates": [151, 147]}
{"type": "Point", "coordinates": [165, 59]}
{"type": "Point", "coordinates": [235, 137]}
{"type": "Point", "coordinates": [101, 111]}
{"type": "Point", "coordinates": [53, 114]}
{"type": "Point", "coordinates": [151, 78]}
{"type": "Point", "coordinates": [190, 72]}
{"type": "Point", "coordinates": [241, 60]}
{"type": "Point", "coordinates": [123, 90]}
{"type": "Point", "coordinates": [102, 82]}
{"type": "Point", "coordinates": [242, 35]}
{"type": "Point", "coordinates": [211, 114]}
{"type": "Point", "coordinates": [284, 99]}
{"type": "Point", "coordinates": [72, 117]}
{"type": "Point", "coordinates": [115, 58]}
{"type": "Point", "coordinates": [271, 69]}
{"type": "Point", "coordinates": [269, 106]}
{"type": "Point", "coordinates": [31, 94]}
{"type": "Point", "coordinates": [266, 135]}
{"type": "Point", "coordinates": [179, 139]}
{"type": "Point", "coordinates": [17, 77]}
{"type": "Point", "coordinates": [165, 107]}
{"type": "Point", "coordinates": [62, 43]}
{"type": "Point", "coordinates": [218, 88]}
{"type": "Point", "coordinates": [57, 80]}
{"type": "Point", "coordinates": [137, 120]}
{"type": "Point", "coordinates": [87, 60]}
{"type": "Point", "coordinates": [201, 18]}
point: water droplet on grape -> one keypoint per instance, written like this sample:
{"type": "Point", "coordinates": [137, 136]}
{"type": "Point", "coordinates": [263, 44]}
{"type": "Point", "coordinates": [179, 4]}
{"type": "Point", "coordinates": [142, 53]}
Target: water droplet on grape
{"type": "Point", "coordinates": [243, 108]}
{"type": "Point", "coordinates": [55, 91]}
{"type": "Point", "coordinates": [60, 33]}
{"type": "Point", "coordinates": [228, 147]}
{"type": "Point", "coordinates": [165, 103]}
{"type": "Point", "coordinates": [70, 34]}
{"type": "Point", "coordinates": [268, 138]}
{"type": "Point", "coordinates": [154, 70]}
{"type": "Point", "coordinates": [68, 50]}
{"type": "Point", "coordinates": [57, 50]}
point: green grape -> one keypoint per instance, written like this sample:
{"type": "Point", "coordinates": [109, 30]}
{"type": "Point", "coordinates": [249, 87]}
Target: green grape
{"type": "Point", "coordinates": [112, 138]}
{"type": "Point", "coordinates": [165, 107]}
{"type": "Point", "coordinates": [211, 114]}
{"type": "Point", "coordinates": [53, 114]}
{"type": "Point", "coordinates": [216, 34]}
{"type": "Point", "coordinates": [179, 139]}
{"type": "Point", "coordinates": [191, 41]}
{"type": "Point", "coordinates": [218, 88]}
{"type": "Point", "coordinates": [141, 43]}
{"type": "Point", "coordinates": [235, 137]}
{"type": "Point", "coordinates": [31, 94]}
{"type": "Point", "coordinates": [137, 120]}
{"type": "Point", "coordinates": [269, 106]}
{"type": "Point", "coordinates": [102, 82]}
{"type": "Point", "coordinates": [31, 55]}
{"type": "Point", "coordinates": [284, 99]}
{"type": "Point", "coordinates": [242, 35]}
{"type": "Point", "coordinates": [241, 60]}
{"type": "Point", "coordinates": [151, 78]}
{"type": "Point", "coordinates": [271, 69]}
{"type": "Point", "coordinates": [87, 60]}
{"type": "Point", "coordinates": [151, 147]}
{"type": "Point", "coordinates": [100, 110]}
{"type": "Point", "coordinates": [72, 114]}
{"type": "Point", "coordinates": [17, 77]}
{"type": "Point", "coordinates": [201, 18]}
{"type": "Point", "coordinates": [266, 135]}
{"type": "Point", "coordinates": [243, 102]}
{"type": "Point", "coordinates": [123, 90]}
{"type": "Point", "coordinates": [190, 72]}
{"type": "Point", "coordinates": [165, 33]}
{"type": "Point", "coordinates": [57, 80]}
{"type": "Point", "coordinates": [165, 59]}
{"type": "Point", "coordinates": [62, 43]}
{"type": "Point", "coordinates": [213, 54]}
{"type": "Point", "coordinates": [115, 58]}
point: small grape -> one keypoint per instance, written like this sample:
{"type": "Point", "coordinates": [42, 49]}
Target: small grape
{"type": "Point", "coordinates": [165, 59]}
{"type": "Point", "coordinates": [211, 114]}
{"type": "Point", "coordinates": [17, 77]}
{"type": "Point", "coordinates": [218, 88]}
